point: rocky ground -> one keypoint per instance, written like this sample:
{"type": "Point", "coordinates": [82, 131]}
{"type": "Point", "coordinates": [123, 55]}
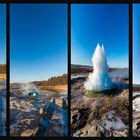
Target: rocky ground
{"type": "Point", "coordinates": [100, 115]}
{"type": "Point", "coordinates": [2, 104]}
{"type": "Point", "coordinates": [25, 117]}
{"type": "Point", "coordinates": [136, 110]}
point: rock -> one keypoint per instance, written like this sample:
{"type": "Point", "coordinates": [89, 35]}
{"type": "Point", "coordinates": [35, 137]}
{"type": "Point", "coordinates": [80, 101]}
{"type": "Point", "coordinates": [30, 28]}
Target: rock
{"type": "Point", "coordinates": [136, 112]}
{"type": "Point", "coordinates": [28, 133]}
{"type": "Point", "coordinates": [55, 117]}
{"type": "Point", "coordinates": [99, 115]}
{"type": "Point", "coordinates": [111, 121]}
{"type": "Point", "coordinates": [25, 116]}
{"type": "Point", "coordinates": [121, 133]}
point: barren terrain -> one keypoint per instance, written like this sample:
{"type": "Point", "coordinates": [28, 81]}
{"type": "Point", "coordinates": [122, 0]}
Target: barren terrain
{"type": "Point", "coordinates": [102, 114]}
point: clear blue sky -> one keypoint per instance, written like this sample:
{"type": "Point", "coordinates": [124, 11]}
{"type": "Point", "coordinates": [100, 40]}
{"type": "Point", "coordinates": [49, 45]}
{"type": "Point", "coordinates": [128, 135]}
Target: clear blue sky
{"type": "Point", "coordinates": [136, 43]}
{"type": "Point", "coordinates": [100, 23]}
{"type": "Point", "coordinates": [38, 41]}
{"type": "Point", "coordinates": [2, 33]}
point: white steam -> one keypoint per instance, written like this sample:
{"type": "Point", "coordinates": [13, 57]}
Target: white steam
{"type": "Point", "coordinates": [99, 79]}
{"type": "Point", "coordinates": [28, 87]}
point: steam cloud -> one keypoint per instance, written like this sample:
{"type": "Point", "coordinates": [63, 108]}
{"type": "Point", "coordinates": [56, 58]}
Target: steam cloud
{"type": "Point", "coordinates": [99, 79]}
{"type": "Point", "coordinates": [27, 87]}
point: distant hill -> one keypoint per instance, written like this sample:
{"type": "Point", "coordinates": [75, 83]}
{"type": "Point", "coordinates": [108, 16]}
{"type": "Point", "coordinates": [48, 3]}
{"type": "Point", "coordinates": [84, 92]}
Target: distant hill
{"type": "Point", "coordinates": [55, 80]}
{"type": "Point", "coordinates": [136, 87]}
{"type": "Point", "coordinates": [75, 69]}
{"type": "Point", "coordinates": [2, 68]}
{"type": "Point", "coordinates": [80, 69]}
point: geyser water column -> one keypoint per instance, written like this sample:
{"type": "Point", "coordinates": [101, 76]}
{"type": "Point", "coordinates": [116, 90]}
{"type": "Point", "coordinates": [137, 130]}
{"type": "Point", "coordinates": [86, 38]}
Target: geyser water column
{"type": "Point", "coordinates": [99, 79]}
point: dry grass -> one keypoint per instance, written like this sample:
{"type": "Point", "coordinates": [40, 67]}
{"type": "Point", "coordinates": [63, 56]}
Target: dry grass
{"type": "Point", "coordinates": [57, 87]}
{"type": "Point", "coordinates": [3, 77]}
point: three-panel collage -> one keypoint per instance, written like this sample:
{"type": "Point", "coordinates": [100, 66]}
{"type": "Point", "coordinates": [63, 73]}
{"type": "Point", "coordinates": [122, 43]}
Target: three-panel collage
{"type": "Point", "coordinates": [69, 69]}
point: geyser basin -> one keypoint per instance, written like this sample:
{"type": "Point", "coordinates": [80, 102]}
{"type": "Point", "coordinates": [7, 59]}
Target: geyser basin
{"type": "Point", "coordinates": [99, 81]}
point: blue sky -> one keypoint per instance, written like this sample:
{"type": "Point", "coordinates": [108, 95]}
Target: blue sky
{"type": "Point", "coordinates": [38, 41]}
{"type": "Point", "coordinates": [2, 33]}
{"type": "Point", "coordinates": [136, 43]}
{"type": "Point", "coordinates": [100, 23]}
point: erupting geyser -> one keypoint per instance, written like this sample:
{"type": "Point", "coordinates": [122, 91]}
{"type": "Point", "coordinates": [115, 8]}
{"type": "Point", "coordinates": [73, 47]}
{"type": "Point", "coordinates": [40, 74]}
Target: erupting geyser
{"type": "Point", "coordinates": [99, 79]}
